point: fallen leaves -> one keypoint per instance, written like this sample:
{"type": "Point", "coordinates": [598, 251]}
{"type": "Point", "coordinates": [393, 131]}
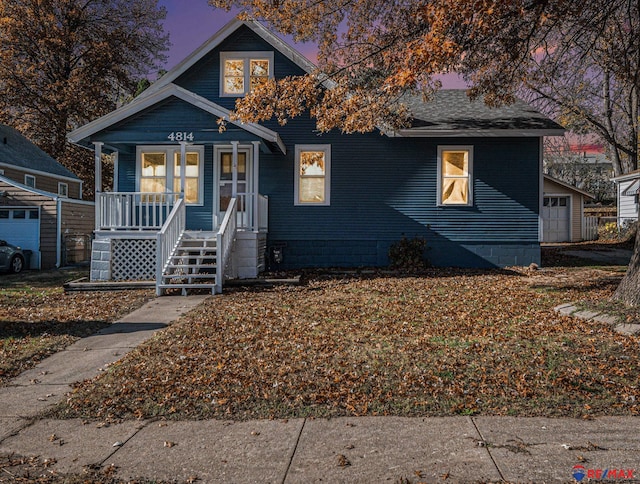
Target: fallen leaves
{"type": "Point", "coordinates": [449, 342]}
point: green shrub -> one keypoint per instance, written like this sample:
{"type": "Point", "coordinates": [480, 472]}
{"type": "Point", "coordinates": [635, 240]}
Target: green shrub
{"type": "Point", "coordinates": [408, 254]}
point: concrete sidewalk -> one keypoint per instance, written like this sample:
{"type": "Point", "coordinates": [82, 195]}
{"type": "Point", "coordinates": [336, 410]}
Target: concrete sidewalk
{"type": "Point", "coordinates": [365, 449]}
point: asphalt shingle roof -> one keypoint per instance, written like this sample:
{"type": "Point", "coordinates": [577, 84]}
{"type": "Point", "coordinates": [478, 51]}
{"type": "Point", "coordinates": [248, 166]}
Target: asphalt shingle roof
{"type": "Point", "coordinates": [451, 109]}
{"type": "Point", "coordinates": [18, 151]}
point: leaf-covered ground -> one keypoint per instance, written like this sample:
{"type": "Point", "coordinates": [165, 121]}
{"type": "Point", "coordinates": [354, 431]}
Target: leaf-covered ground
{"type": "Point", "coordinates": [444, 343]}
{"type": "Point", "coordinates": [37, 319]}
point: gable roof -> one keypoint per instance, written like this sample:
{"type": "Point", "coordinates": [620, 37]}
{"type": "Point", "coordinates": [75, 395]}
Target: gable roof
{"type": "Point", "coordinates": [452, 113]}
{"type": "Point", "coordinates": [141, 103]}
{"type": "Point", "coordinates": [18, 151]}
{"type": "Point", "coordinates": [215, 40]}
{"type": "Point", "coordinates": [627, 176]}
{"type": "Point", "coordinates": [568, 186]}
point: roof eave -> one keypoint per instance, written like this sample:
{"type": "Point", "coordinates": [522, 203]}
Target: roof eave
{"type": "Point", "coordinates": [474, 133]}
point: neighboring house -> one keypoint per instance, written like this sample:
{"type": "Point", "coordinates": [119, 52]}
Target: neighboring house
{"type": "Point", "coordinates": [563, 213]}
{"type": "Point", "coordinates": [40, 206]}
{"type": "Point", "coordinates": [627, 192]}
{"type": "Point", "coordinates": [465, 177]}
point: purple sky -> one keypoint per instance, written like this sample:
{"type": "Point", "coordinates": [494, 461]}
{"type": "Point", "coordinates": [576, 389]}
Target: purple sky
{"type": "Point", "coordinates": [192, 22]}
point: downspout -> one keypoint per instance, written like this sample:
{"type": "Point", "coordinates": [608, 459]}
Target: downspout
{"type": "Point", "coordinates": [59, 232]}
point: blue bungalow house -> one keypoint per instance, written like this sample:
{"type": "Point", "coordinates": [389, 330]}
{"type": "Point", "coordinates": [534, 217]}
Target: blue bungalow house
{"type": "Point", "coordinates": [192, 205]}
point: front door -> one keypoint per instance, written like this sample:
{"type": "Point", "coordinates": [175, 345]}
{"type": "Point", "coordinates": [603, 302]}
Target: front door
{"type": "Point", "coordinates": [230, 177]}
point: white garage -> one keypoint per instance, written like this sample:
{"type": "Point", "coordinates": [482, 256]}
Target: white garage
{"type": "Point", "coordinates": [21, 226]}
{"type": "Point", "coordinates": [562, 212]}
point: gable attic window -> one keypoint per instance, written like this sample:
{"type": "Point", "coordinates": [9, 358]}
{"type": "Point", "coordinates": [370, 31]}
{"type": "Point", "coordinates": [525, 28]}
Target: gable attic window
{"type": "Point", "coordinates": [30, 181]}
{"type": "Point", "coordinates": [240, 72]}
{"type": "Point", "coordinates": [455, 182]}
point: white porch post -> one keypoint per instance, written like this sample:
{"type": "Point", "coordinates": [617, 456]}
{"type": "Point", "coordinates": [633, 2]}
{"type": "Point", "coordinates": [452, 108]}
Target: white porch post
{"type": "Point", "coordinates": [97, 146]}
{"type": "Point", "coordinates": [234, 169]}
{"type": "Point", "coordinates": [256, 184]}
{"type": "Point", "coordinates": [116, 169]}
{"type": "Point", "coordinates": [183, 164]}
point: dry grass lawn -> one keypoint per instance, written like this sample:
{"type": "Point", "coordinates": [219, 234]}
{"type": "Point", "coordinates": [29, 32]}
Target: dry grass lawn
{"type": "Point", "coordinates": [448, 342]}
{"type": "Point", "coordinates": [37, 319]}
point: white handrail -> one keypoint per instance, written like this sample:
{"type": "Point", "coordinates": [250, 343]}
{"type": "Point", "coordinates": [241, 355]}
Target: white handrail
{"type": "Point", "coordinates": [168, 239]}
{"type": "Point", "coordinates": [263, 212]}
{"type": "Point", "coordinates": [134, 210]}
{"type": "Point", "coordinates": [224, 241]}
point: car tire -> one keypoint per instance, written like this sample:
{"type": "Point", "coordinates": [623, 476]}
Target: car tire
{"type": "Point", "coordinates": [17, 264]}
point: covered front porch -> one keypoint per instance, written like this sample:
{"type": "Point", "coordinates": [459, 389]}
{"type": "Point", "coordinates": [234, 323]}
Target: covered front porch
{"type": "Point", "coordinates": [148, 235]}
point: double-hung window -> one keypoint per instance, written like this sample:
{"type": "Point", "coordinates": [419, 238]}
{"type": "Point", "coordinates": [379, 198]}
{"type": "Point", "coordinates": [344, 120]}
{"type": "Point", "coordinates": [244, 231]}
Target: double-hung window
{"type": "Point", "coordinates": [240, 72]}
{"type": "Point", "coordinates": [313, 174]}
{"type": "Point", "coordinates": [159, 169]}
{"type": "Point", "coordinates": [455, 182]}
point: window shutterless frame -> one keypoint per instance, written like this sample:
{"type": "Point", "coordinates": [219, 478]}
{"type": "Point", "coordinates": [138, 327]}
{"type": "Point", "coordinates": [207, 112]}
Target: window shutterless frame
{"type": "Point", "coordinates": [312, 178]}
{"type": "Point", "coordinates": [239, 71]}
{"type": "Point", "coordinates": [165, 173]}
{"type": "Point", "coordinates": [455, 176]}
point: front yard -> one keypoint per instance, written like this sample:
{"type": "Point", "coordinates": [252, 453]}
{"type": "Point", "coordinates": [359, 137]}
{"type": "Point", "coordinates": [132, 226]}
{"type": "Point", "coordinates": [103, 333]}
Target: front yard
{"type": "Point", "coordinates": [448, 342]}
{"type": "Point", "coordinates": [37, 319]}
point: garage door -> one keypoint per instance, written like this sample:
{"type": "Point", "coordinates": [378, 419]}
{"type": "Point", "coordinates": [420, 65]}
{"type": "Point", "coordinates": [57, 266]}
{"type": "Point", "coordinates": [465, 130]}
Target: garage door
{"type": "Point", "coordinates": [555, 219]}
{"type": "Point", "coordinates": [21, 227]}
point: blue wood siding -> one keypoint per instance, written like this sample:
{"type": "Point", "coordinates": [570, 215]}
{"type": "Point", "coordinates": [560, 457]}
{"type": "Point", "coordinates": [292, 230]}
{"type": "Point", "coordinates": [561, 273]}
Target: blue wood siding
{"type": "Point", "coordinates": [383, 189]}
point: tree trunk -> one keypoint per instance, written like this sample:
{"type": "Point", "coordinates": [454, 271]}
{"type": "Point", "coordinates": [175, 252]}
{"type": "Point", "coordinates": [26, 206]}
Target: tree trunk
{"type": "Point", "coordinates": [629, 289]}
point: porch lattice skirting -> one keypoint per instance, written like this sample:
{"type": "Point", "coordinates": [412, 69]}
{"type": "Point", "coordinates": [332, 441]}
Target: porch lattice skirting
{"type": "Point", "coordinates": [133, 259]}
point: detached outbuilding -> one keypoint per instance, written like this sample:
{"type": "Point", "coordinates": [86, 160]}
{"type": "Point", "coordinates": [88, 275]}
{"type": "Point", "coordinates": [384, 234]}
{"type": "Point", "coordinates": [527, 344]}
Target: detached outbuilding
{"type": "Point", "coordinates": [627, 195]}
{"type": "Point", "coordinates": [563, 217]}
{"type": "Point", "coordinates": [40, 204]}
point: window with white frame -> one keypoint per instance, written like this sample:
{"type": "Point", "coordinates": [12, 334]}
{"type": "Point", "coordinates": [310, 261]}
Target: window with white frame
{"type": "Point", "coordinates": [455, 182]}
{"type": "Point", "coordinates": [30, 181]}
{"type": "Point", "coordinates": [159, 171]}
{"type": "Point", "coordinates": [240, 72]}
{"type": "Point", "coordinates": [313, 174]}
{"type": "Point", "coordinates": [63, 189]}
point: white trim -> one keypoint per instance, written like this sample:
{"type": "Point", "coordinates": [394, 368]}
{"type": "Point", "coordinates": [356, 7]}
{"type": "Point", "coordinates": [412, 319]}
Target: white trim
{"type": "Point", "coordinates": [116, 169]}
{"type": "Point", "coordinates": [38, 172]}
{"type": "Point", "coordinates": [140, 104]}
{"type": "Point", "coordinates": [170, 154]}
{"type": "Point", "coordinates": [327, 175]}
{"type": "Point", "coordinates": [569, 206]}
{"type": "Point", "coordinates": [245, 148]}
{"type": "Point", "coordinates": [627, 176]}
{"type": "Point", "coordinates": [469, 150]}
{"type": "Point", "coordinates": [77, 202]}
{"type": "Point", "coordinates": [29, 177]}
{"type": "Point", "coordinates": [246, 57]}
{"type": "Point", "coordinates": [474, 133]}
{"type": "Point", "coordinates": [541, 188]}
{"type": "Point", "coordinates": [221, 35]}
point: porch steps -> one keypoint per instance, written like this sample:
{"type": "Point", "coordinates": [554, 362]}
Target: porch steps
{"type": "Point", "coordinates": [192, 265]}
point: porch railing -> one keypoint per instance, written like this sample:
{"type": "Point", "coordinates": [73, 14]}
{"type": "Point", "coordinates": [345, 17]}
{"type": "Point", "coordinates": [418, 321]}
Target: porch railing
{"type": "Point", "coordinates": [253, 212]}
{"type": "Point", "coordinates": [224, 241]}
{"type": "Point", "coordinates": [168, 238]}
{"type": "Point", "coordinates": [134, 210]}
{"type": "Point", "coordinates": [263, 212]}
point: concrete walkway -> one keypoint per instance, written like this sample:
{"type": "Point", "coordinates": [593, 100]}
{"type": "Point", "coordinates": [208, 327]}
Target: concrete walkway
{"type": "Point", "coordinates": [365, 449]}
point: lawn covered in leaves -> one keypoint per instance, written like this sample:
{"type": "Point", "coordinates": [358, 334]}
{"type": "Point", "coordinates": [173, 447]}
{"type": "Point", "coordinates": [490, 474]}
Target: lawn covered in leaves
{"type": "Point", "coordinates": [37, 319]}
{"type": "Point", "coordinates": [448, 342]}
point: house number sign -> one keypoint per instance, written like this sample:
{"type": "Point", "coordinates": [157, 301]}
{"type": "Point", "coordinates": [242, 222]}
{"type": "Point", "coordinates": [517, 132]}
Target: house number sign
{"type": "Point", "coordinates": [181, 136]}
